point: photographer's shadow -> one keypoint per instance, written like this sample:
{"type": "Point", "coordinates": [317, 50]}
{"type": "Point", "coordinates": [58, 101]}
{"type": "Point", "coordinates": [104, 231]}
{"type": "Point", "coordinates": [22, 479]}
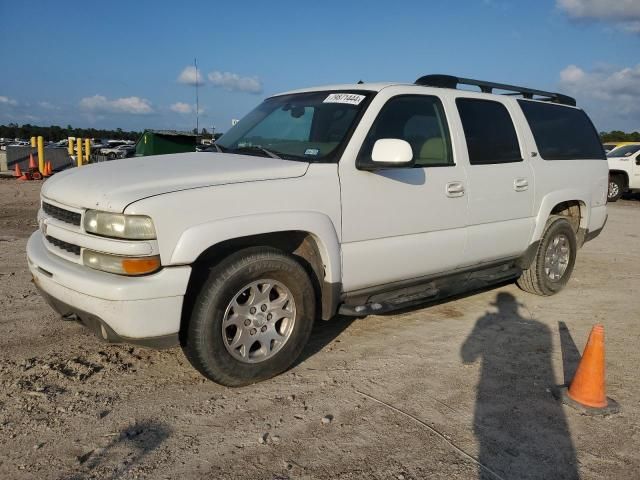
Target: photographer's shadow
{"type": "Point", "coordinates": [521, 429]}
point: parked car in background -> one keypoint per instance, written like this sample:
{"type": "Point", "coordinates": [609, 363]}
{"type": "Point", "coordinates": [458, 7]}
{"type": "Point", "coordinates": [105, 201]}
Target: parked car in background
{"type": "Point", "coordinates": [624, 170]}
{"type": "Point", "coordinates": [611, 145]}
{"type": "Point", "coordinates": [121, 151]}
{"type": "Point", "coordinates": [358, 199]}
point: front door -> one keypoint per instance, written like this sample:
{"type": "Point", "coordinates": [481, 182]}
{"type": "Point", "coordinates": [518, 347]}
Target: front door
{"type": "Point", "coordinates": [402, 223]}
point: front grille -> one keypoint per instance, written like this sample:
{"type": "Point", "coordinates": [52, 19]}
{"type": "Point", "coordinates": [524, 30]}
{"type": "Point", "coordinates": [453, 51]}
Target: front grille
{"type": "Point", "coordinates": [68, 247]}
{"type": "Point", "coordinates": [61, 214]}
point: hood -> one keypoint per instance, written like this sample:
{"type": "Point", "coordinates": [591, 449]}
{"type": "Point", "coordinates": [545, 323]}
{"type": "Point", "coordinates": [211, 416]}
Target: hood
{"type": "Point", "coordinates": [113, 185]}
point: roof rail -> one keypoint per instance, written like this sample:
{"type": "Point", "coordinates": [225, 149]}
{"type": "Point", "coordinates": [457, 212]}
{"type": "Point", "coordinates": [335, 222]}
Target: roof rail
{"type": "Point", "coordinates": [449, 81]}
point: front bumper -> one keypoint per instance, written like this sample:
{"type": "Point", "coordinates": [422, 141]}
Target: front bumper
{"type": "Point", "coordinates": [142, 310]}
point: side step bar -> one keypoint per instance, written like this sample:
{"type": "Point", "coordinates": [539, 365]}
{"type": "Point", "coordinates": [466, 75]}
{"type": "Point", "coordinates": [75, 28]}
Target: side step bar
{"type": "Point", "coordinates": [438, 289]}
{"type": "Point", "coordinates": [376, 308]}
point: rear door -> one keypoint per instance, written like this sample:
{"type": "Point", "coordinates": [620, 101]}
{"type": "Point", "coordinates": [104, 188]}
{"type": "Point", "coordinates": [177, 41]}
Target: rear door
{"type": "Point", "coordinates": [500, 182]}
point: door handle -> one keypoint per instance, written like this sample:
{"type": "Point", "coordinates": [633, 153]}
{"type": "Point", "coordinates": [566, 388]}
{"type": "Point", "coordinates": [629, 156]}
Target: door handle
{"type": "Point", "coordinates": [455, 189]}
{"type": "Point", "coordinates": [520, 184]}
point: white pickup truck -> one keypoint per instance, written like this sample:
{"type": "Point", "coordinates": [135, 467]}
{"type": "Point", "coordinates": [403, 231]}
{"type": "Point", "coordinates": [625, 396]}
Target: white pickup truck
{"type": "Point", "coordinates": [624, 171]}
{"type": "Point", "coordinates": [357, 199]}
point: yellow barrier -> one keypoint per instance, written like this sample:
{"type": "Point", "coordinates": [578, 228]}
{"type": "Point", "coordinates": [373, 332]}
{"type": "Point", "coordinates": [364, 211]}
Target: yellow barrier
{"type": "Point", "coordinates": [79, 152]}
{"type": "Point", "coordinates": [41, 154]}
{"type": "Point", "coordinates": [70, 147]}
{"type": "Point", "coordinates": [87, 150]}
{"type": "Point", "coordinates": [33, 142]}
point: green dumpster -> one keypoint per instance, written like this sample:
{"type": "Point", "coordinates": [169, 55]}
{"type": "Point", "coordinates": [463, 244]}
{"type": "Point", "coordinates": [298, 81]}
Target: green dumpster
{"type": "Point", "coordinates": [161, 142]}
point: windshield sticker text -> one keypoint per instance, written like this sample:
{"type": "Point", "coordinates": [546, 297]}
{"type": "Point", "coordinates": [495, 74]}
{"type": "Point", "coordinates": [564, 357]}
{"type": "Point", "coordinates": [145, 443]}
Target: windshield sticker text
{"type": "Point", "coordinates": [350, 98]}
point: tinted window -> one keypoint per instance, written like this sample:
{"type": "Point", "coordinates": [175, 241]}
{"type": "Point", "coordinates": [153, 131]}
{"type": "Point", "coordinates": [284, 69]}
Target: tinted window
{"type": "Point", "coordinates": [624, 151]}
{"type": "Point", "coordinates": [418, 119]}
{"type": "Point", "coordinates": [488, 128]}
{"type": "Point", "coordinates": [562, 133]}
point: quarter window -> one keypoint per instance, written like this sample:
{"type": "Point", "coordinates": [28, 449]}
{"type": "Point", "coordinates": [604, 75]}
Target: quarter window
{"type": "Point", "coordinates": [419, 120]}
{"type": "Point", "coordinates": [489, 131]}
{"type": "Point", "coordinates": [562, 133]}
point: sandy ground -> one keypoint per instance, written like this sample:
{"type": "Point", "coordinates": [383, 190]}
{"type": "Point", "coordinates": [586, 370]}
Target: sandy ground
{"type": "Point", "coordinates": [434, 392]}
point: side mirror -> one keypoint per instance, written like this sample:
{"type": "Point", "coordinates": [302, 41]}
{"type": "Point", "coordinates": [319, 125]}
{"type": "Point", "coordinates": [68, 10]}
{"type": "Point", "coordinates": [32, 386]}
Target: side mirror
{"type": "Point", "coordinates": [389, 153]}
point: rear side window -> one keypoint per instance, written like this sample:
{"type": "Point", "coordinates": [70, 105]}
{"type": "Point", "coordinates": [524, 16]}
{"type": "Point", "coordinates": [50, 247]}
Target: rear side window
{"type": "Point", "coordinates": [489, 131]}
{"type": "Point", "coordinates": [562, 133]}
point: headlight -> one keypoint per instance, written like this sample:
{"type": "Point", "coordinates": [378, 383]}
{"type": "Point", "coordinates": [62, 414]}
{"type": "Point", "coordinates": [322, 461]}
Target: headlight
{"type": "Point", "coordinates": [120, 265]}
{"type": "Point", "coordinates": [131, 227]}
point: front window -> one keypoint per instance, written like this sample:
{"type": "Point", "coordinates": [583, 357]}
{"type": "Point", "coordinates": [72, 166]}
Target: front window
{"type": "Point", "coordinates": [624, 151]}
{"type": "Point", "coordinates": [310, 126]}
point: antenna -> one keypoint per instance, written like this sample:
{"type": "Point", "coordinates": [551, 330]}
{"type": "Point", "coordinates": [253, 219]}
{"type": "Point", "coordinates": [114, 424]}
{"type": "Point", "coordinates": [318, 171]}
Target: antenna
{"type": "Point", "coordinates": [195, 64]}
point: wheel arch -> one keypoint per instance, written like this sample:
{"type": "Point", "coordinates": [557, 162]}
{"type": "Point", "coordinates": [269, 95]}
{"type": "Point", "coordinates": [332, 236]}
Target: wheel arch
{"type": "Point", "coordinates": [308, 236]}
{"type": "Point", "coordinates": [572, 206]}
{"type": "Point", "coordinates": [620, 173]}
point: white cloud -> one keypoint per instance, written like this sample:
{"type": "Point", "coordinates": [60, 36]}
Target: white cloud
{"type": "Point", "coordinates": [623, 13]}
{"type": "Point", "coordinates": [132, 105]}
{"type": "Point", "coordinates": [48, 105]}
{"type": "Point", "coordinates": [611, 94]}
{"type": "Point", "coordinates": [571, 74]}
{"type": "Point", "coordinates": [8, 101]}
{"type": "Point", "coordinates": [190, 76]}
{"type": "Point", "coordinates": [185, 108]}
{"type": "Point", "coordinates": [181, 107]}
{"type": "Point", "coordinates": [234, 82]}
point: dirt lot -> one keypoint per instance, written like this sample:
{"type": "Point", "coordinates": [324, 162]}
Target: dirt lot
{"type": "Point", "coordinates": [430, 393]}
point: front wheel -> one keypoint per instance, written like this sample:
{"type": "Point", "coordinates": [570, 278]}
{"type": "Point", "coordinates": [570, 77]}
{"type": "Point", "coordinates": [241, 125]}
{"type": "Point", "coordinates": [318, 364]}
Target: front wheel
{"type": "Point", "coordinates": [553, 264]}
{"type": "Point", "coordinates": [252, 317]}
{"type": "Point", "coordinates": [616, 188]}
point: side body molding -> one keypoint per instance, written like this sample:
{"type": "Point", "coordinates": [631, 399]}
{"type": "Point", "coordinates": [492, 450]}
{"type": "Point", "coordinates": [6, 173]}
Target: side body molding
{"type": "Point", "coordinates": [197, 239]}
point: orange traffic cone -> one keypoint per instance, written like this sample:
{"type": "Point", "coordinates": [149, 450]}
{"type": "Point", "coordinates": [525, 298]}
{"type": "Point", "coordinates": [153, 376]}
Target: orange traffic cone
{"type": "Point", "coordinates": [32, 163]}
{"type": "Point", "coordinates": [17, 172]}
{"type": "Point", "coordinates": [587, 391]}
{"type": "Point", "coordinates": [47, 169]}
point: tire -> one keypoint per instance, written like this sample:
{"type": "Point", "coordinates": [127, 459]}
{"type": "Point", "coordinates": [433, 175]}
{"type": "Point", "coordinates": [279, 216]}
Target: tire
{"type": "Point", "coordinates": [538, 279]}
{"type": "Point", "coordinates": [616, 188]}
{"type": "Point", "coordinates": [235, 283]}
{"type": "Point", "coordinates": [111, 156]}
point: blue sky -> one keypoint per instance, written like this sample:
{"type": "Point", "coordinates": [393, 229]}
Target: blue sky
{"type": "Point", "coordinates": [118, 63]}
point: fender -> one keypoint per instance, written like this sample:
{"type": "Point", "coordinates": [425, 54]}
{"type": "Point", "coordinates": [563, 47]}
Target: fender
{"type": "Point", "coordinates": [197, 239]}
{"type": "Point", "coordinates": [553, 199]}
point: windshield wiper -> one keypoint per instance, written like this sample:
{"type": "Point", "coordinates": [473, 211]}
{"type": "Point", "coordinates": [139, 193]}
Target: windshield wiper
{"type": "Point", "coordinates": [257, 148]}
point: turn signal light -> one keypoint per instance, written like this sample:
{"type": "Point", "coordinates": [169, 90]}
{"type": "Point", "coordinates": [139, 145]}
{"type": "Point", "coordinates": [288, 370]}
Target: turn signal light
{"type": "Point", "coordinates": [119, 264]}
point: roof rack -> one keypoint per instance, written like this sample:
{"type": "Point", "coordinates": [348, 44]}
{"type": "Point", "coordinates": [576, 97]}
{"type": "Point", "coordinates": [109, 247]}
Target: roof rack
{"type": "Point", "coordinates": [449, 81]}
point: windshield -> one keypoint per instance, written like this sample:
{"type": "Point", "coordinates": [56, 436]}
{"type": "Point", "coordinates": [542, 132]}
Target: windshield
{"type": "Point", "coordinates": [309, 126]}
{"type": "Point", "coordinates": [624, 151]}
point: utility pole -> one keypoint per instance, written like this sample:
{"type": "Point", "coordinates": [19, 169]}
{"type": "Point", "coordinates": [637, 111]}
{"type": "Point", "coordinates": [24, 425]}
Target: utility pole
{"type": "Point", "coordinates": [195, 64]}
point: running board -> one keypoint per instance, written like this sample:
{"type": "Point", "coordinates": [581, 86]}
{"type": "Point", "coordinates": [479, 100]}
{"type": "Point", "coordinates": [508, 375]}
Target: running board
{"type": "Point", "coordinates": [436, 290]}
{"type": "Point", "coordinates": [376, 308]}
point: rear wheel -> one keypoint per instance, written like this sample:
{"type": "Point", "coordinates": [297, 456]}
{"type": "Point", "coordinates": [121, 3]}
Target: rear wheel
{"type": "Point", "coordinates": [553, 264]}
{"type": "Point", "coordinates": [252, 317]}
{"type": "Point", "coordinates": [616, 188]}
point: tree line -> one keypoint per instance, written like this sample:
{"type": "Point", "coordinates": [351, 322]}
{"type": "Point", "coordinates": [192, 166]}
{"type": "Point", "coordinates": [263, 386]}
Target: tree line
{"type": "Point", "coordinates": [619, 136]}
{"type": "Point", "coordinates": [55, 132]}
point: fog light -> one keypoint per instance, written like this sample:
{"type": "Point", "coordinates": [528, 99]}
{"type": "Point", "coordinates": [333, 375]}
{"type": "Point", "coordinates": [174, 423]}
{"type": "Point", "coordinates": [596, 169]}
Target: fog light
{"type": "Point", "coordinates": [119, 264]}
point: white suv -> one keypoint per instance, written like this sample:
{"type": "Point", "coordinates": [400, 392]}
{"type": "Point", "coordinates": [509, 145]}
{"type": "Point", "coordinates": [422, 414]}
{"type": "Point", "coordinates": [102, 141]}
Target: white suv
{"type": "Point", "coordinates": [356, 199]}
{"type": "Point", "coordinates": [624, 170]}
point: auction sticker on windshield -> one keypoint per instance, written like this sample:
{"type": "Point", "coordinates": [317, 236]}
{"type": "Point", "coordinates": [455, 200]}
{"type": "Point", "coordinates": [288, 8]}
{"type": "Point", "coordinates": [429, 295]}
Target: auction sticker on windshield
{"type": "Point", "coordinates": [350, 98]}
